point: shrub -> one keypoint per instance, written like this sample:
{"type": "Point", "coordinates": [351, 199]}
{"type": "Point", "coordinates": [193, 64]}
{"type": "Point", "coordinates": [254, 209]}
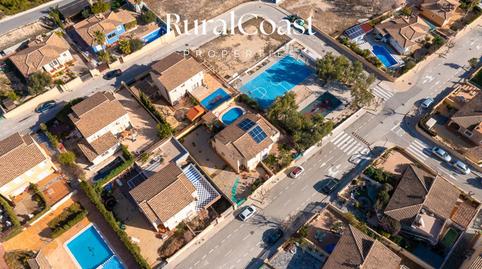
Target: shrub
{"type": "Point", "coordinates": [18, 258]}
{"type": "Point", "coordinates": [38, 81]}
{"type": "Point", "coordinates": [250, 102]}
{"type": "Point", "coordinates": [39, 197]}
{"type": "Point", "coordinates": [125, 46]}
{"type": "Point", "coordinates": [68, 218]}
{"type": "Point", "coordinates": [67, 158]}
{"type": "Point", "coordinates": [164, 128]}
{"type": "Point", "coordinates": [147, 16]}
{"type": "Point", "coordinates": [100, 7]}
{"type": "Point", "coordinates": [16, 226]}
{"type": "Point", "coordinates": [109, 217]}
{"type": "Point", "coordinates": [113, 173]}
{"type": "Point", "coordinates": [136, 44]}
{"type": "Point", "coordinates": [54, 141]}
{"type": "Point", "coordinates": [380, 175]}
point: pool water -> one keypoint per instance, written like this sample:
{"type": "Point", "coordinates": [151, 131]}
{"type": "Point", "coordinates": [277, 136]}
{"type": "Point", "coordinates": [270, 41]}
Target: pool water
{"type": "Point", "coordinates": [215, 99]}
{"type": "Point", "coordinates": [231, 115]}
{"type": "Point", "coordinates": [277, 80]}
{"type": "Point", "coordinates": [384, 56]}
{"type": "Point", "coordinates": [91, 251]}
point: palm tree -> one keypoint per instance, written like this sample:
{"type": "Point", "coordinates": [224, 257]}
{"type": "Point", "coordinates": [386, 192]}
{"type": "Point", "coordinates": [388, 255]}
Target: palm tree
{"type": "Point", "coordinates": [99, 38]}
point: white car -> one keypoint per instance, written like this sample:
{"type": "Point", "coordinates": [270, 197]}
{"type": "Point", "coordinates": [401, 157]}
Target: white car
{"type": "Point", "coordinates": [427, 103]}
{"type": "Point", "coordinates": [247, 213]}
{"type": "Point", "coordinates": [297, 171]}
{"type": "Point", "coordinates": [442, 154]}
{"type": "Point", "coordinates": [461, 167]}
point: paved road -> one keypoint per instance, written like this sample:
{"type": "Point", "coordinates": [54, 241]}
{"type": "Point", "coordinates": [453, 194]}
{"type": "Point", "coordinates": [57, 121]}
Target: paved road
{"type": "Point", "coordinates": [238, 244]}
{"type": "Point", "coordinates": [28, 16]}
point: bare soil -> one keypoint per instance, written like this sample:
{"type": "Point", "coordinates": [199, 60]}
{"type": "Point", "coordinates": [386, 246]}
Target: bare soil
{"type": "Point", "coordinates": [232, 54]}
{"type": "Point", "coordinates": [23, 33]}
{"type": "Point", "coordinates": [334, 16]}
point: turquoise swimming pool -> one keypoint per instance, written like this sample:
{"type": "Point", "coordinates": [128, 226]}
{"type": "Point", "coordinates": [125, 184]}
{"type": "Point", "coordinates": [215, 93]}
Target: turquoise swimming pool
{"type": "Point", "coordinates": [384, 56]}
{"type": "Point", "coordinates": [91, 251]}
{"type": "Point", "coordinates": [215, 99]}
{"type": "Point", "coordinates": [277, 80]}
{"type": "Point", "coordinates": [231, 115]}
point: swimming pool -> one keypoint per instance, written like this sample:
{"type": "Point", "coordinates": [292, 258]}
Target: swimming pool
{"type": "Point", "coordinates": [215, 99]}
{"type": "Point", "coordinates": [384, 56]}
{"type": "Point", "coordinates": [232, 114]}
{"type": "Point", "coordinates": [91, 251]}
{"type": "Point", "coordinates": [277, 80]}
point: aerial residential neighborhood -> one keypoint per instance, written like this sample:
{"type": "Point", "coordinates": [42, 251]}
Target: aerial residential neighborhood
{"type": "Point", "coordinates": [280, 134]}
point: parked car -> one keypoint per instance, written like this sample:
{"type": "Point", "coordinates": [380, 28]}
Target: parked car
{"type": "Point", "coordinates": [427, 103]}
{"type": "Point", "coordinates": [273, 236]}
{"type": "Point", "coordinates": [297, 171]}
{"type": "Point", "coordinates": [442, 154]}
{"type": "Point", "coordinates": [113, 74]}
{"type": "Point", "coordinates": [247, 213]}
{"type": "Point", "coordinates": [461, 167]}
{"type": "Point", "coordinates": [330, 186]}
{"type": "Point", "coordinates": [45, 106]}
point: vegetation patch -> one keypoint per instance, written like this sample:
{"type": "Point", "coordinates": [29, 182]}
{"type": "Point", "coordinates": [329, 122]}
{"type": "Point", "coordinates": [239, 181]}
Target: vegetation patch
{"type": "Point", "coordinates": [68, 218]}
{"type": "Point", "coordinates": [18, 259]}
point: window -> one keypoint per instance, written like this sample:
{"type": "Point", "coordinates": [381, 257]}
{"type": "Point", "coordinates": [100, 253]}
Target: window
{"type": "Point", "coordinates": [468, 133]}
{"type": "Point", "coordinates": [109, 36]}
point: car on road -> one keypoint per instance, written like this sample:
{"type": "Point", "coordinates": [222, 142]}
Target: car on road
{"type": "Point", "coordinates": [442, 154]}
{"type": "Point", "coordinates": [427, 102]}
{"type": "Point", "coordinates": [247, 213]}
{"type": "Point", "coordinates": [273, 236]}
{"type": "Point", "coordinates": [113, 74]}
{"type": "Point", "coordinates": [461, 167]}
{"type": "Point", "coordinates": [297, 171]}
{"type": "Point", "coordinates": [45, 106]}
{"type": "Point", "coordinates": [329, 186]}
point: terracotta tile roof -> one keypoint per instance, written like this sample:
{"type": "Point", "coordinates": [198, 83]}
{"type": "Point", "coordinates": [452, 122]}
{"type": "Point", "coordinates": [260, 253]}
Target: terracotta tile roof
{"type": "Point", "coordinates": [442, 8]}
{"type": "Point", "coordinates": [404, 31]}
{"type": "Point", "coordinates": [88, 27]}
{"type": "Point", "coordinates": [164, 194]}
{"type": "Point", "coordinates": [194, 113]}
{"type": "Point", "coordinates": [241, 142]}
{"type": "Point", "coordinates": [175, 69]}
{"type": "Point", "coordinates": [357, 250]}
{"type": "Point", "coordinates": [477, 263]}
{"type": "Point", "coordinates": [39, 53]}
{"type": "Point", "coordinates": [470, 115]}
{"type": "Point", "coordinates": [18, 154]}
{"type": "Point", "coordinates": [464, 213]}
{"type": "Point", "coordinates": [98, 146]}
{"type": "Point", "coordinates": [96, 112]}
{"type": "Point", "coordinates": [418, 189]}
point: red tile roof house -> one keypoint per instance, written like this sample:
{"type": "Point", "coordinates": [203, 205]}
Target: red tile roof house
{"type": "Point", "coordinates": [426, 205]}
{"type": "Point", "coordinates": [357, 250]}
{"type": "Point", "coordinates": [403, 34]}
{"type": "Point", "coordinates": [246, 142]}
{"type": "Point", "coordinates": [439, 12]}
{"type": "Point", "coordinates": [99, 119]}
{"type": "Point", "coordinates": [166, 198]}
{"type": "Point", "coordinates": [22, 161]}
{"type": "Point", "coordinates": [51, 55]}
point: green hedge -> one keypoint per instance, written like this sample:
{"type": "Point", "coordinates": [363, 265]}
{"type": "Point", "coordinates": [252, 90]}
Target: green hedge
{"type": "Point", "coordinates": [129, 161]}
{"type": "Point", "coordinates": [68, 218]}
{"type": "Point", "coordinates": [41, 202]}
{"type": "Point", "coordinates": [164, 128]}
{"type": "Point", "coordinates": [95, 199]}
{"type": "Point", "coordinates": [16, 226]}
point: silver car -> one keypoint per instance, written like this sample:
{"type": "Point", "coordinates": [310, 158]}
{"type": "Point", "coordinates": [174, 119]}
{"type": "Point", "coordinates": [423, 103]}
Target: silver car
{"type": "Point", "coordinates": [442, 154]}
{"type": "Point", "coordinates": [247, 213]}
{"type": "Point", "coordinates": [461, 167]}
{"type": "Point", "coordinates": [427, 103]}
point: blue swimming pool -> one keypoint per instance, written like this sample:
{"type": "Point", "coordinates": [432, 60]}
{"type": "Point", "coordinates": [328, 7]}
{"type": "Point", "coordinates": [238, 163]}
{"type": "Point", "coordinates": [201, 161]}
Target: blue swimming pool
{"type": "Point", "coordinates": [215, 99]}
{"type": "Point", "coordinates": [277, 80]}
{"type": "Point", "coordinates": [91, 251]}
{"type": "Point", "coordinates": [384, 56]}
{"type": "Point", "coordinates": [231, 115]}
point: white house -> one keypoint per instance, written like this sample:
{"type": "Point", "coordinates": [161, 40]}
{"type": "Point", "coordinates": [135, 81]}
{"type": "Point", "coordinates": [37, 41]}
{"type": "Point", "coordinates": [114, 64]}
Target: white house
{"type": "Point", "coordinates": [246, 142]}
{"type": "Point", "coordinates": [99, 118]}
{"type": "Point", "coordinates": [50, 55]}
{"type": "Point", "coordinates": [166, 198]}
{"type": "Point", "coordinates": [22, 161]}
{"type": "Point", "coordinates": [175, 75]}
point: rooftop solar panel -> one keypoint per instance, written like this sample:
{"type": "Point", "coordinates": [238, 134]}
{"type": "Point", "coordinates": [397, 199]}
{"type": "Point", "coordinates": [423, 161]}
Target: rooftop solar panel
{"type": "Point", "coordinates": [258, 134]}
{"type": "Point", "coordinates": [246, 124]}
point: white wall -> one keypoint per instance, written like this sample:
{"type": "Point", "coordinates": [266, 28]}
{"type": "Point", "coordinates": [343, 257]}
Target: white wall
{"type": "Point", "coordinates": [105, 155]}
{"type": "Point", "coordinates": [54, 65]}
{"type": "Point", "coordinates": [177, 93]}
{"type": "Point", "coordinates": [180, 216]}
{"type": "Point", "coordinates": [115, 128]}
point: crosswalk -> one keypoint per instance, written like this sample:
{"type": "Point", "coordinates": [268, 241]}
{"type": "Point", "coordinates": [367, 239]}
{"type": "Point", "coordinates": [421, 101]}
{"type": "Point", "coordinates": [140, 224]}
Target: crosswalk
{"type": "Point", "coordinates": [418, 149]}
{"type": "Point", "coordinates": [381, 92]}
{"type": "Point", "coordinates": [348, 144]}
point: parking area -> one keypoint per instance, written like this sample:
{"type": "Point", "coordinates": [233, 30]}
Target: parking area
{"type": "Point", "coordinates": [144, 133]}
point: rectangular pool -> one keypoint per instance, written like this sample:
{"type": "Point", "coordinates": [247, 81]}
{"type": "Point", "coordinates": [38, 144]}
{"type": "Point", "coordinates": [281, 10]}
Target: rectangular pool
{"type": "Point", "coordinates": [277, 80]}
{"type": "Point", "coordinates": [91, 251]}
{"type": "Point", "coordinates": [384, 56]}
{"type": "Point", "coordinates": [215, 99]}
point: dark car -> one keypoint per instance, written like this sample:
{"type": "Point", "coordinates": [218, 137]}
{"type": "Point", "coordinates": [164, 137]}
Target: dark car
{"type": "Point", "coordinates": [45, 106]}
{"type": "Point", "coordinates": [273, 236]}
{"type": "Point", "coordinates": [113, 74]}
{"type": "Point", "coordinates": [329, 186]}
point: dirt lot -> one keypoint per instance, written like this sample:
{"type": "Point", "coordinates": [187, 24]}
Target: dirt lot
{"type": "Point", "coordinates": [18, 35]}
{"type": "Point", "coordinates": [334, 16]}
{"type": "Point", "coordinates": [233, 54]}
{"type": "Point", "coordinates": [192, 10]}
